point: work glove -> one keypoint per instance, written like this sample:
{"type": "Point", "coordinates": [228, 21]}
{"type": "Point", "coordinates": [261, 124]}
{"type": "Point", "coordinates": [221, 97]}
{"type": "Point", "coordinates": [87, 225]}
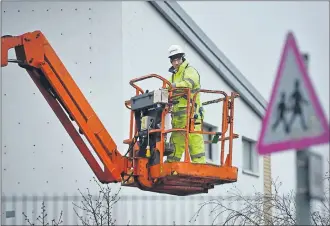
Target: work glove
{"type": "Point", "coordinates": [173, 85]}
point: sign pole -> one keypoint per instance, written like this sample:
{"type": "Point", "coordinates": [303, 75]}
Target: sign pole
{"type": "Point", "coordinates": [303, 211]}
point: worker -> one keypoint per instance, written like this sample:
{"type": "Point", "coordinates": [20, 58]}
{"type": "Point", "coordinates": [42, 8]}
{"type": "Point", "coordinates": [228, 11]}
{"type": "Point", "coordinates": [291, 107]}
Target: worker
{"type": "Point", "coordinates": [184, 75]}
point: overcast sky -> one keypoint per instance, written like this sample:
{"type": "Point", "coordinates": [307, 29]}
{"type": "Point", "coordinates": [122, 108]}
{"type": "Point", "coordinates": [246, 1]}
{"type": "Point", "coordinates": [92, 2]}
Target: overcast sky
{"type": "Point", "coordinates": [252, 34]}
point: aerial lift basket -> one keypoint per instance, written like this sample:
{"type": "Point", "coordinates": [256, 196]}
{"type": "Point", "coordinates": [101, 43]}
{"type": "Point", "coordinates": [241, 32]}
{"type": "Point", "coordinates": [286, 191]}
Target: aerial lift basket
{"type": "Point", "coordinates": [178, 178]}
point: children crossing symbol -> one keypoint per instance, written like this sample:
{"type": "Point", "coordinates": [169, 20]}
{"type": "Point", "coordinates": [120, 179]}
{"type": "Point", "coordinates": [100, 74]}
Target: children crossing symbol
{"type": "Point", "coordinates": [297, 101]}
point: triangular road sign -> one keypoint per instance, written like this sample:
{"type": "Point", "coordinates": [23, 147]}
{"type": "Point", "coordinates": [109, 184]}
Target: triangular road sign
{"type": "Point", "coordinates": [294, 118]}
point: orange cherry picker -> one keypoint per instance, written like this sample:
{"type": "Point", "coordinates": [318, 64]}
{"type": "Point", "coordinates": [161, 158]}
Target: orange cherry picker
{"type": "Point", "coordinates": [142, 166]}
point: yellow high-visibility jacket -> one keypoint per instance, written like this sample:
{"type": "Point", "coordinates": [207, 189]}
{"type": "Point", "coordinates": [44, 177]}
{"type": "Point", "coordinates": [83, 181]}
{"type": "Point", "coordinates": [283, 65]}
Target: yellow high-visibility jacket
{"type": "Point", "coordinates": [186, 77]}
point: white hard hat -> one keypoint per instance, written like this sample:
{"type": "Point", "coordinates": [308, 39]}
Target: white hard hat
{"type": "Point", "coordinates": [174, 50]}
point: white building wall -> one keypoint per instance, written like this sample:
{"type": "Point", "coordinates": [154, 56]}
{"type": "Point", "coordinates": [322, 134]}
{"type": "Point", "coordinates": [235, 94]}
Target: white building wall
{"type": "Point", "coordinates": [103, 45]}
{"type": "Point", "coordinates": [34, 141]}
{"type": "Point", "coordinates": [252, 37]}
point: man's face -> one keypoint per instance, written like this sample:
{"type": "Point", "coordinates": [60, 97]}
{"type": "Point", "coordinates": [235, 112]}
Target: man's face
{"type": "Point", "coordinates": [176, 62]}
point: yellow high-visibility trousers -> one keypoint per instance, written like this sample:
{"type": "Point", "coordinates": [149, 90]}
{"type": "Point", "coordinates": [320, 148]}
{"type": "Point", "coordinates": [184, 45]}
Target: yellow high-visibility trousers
{"type": "Point", "coordinates": [196, 141]}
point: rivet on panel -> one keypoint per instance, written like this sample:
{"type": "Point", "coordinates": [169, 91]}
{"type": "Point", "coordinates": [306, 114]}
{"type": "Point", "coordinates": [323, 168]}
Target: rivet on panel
{"type": "Point", "coordinates": [90, 18]}
{"type": "Point", "coordinates": [62, 167]}
{"type": "Point", "coordinates": [4, 169]}
{"type": "Point", "coordinates": [47, 122]}
{"type": "Point", "coordinates": [61, 33]}
{"type": "Point", "coordinates": [47, 181]}
{"type": "Point", "coordinates": [5, 94]}
{"type": "Point", "coordinates": [90, 77]}
{"type": "Point", "coordinates": [76, 181]}
{"type": "Point", "coordinates": [32, 10]}
{"type": "Point", "coordinates": [90, 33]}
{"type": "Point", "coordinates": [18, 11]}
{"type": "Point", "coordinates": [33, 168]}
{"type": "Point", "coordinates": [90, 48]}
{"type": "Point", "coordinates": [90, 9]}
{"type": "Point", "coordinates": [5, 153]}
{"type": "Point", "coordinates": [34, 145]}
{"type": "Point", "coordinates": [61, 9]}
{"type": "Point", "coordinates": [34, 93]}
{"type": "Point", "coordinates": [18, 182]}
{"type": "Point", "coordinates": [4, 11]}
{"type": "Point", "coordinates": [90, 91]}
{"type": "Point", "coordinates": [90, 62]}
{"type": "Point", "coordinates": [76, 62]}
{"type": "Point", "coordinates": [19, 123]}
{"type": "Point", "coordinates": [47, 10]}
{"type": "Point", "coordinates": [76, 9]}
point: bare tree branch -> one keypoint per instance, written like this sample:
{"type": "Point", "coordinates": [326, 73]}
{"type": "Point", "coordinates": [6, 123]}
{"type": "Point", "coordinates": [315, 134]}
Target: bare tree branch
{"type": "Point", "coordinates": [43, 217]}
{"type": "Point", "coordinates": [264, 209]}
{"type": "Point", "coordinates": [97, 210]}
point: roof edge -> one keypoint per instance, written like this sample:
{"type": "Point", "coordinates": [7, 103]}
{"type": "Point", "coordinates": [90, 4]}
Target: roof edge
{"type": "Point", "coordinates": [184, 24]}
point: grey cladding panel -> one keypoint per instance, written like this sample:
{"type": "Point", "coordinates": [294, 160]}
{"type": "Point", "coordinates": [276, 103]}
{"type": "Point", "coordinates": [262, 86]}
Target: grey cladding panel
{"type": "Point", "coordinates": [37, 153]}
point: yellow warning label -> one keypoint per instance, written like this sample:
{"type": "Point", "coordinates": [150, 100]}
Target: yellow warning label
{"type": "Point", "coordinates": [144, 123]}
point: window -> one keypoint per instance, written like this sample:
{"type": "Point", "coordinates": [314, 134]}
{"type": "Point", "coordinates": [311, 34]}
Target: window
{"type": "Point", "coordinates": [210, 149]}
{"type": "Point", "coordinates": [250, 157]}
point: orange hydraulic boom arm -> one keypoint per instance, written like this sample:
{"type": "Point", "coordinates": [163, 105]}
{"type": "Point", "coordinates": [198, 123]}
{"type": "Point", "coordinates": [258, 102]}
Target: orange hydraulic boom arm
{"type": "Point", "coordinates": [35, 54]}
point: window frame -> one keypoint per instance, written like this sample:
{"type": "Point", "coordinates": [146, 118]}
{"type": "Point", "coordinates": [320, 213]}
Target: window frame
{"type": "Point", "coordinates": [209, 148]}
{"type": "Point", "coordinates": [253, 167]}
